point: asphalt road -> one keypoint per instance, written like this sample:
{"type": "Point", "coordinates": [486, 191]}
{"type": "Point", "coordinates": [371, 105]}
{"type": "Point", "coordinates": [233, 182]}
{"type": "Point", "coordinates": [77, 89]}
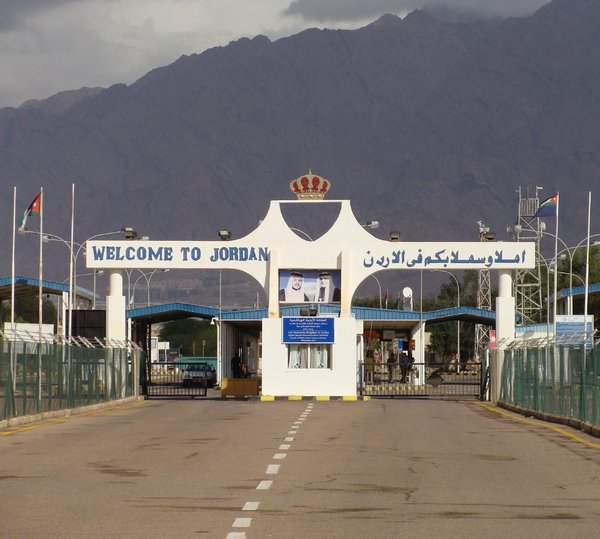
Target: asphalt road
{"type": "Point", "coordinates": [303, 469]}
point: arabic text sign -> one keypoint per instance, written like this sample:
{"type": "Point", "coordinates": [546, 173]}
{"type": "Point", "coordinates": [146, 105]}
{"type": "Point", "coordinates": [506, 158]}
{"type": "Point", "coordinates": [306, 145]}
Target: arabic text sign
{"type": "Point", "coordinates": [308, 329]}
{"type": "Point", "coordinates": [481, 255]}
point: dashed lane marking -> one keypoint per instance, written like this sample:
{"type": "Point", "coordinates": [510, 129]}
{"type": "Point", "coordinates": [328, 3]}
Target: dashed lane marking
{"type": "Point", "coordinates": [242, 522]}
{"type": "Point", "coordinates": [272, 469]}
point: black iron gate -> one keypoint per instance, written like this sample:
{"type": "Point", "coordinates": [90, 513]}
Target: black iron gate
{"type": "Point", "coordinates": [424, 380]}
{"type": "Point", "coordinates": [178, 379]}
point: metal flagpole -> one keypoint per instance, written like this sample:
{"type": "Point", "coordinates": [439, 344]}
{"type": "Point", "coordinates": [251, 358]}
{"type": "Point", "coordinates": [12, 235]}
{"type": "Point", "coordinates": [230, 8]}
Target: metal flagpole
{"type": "Point", "coordinates": [71, 286]}
{"type": "Point", "coordinates": [12, 285]}
{"type": "Point", "coordinates": [587, 268]}
{"type": "Point", "coordinates": [555, 262]}
{"type": "Point", "coordinates": [41, 263]}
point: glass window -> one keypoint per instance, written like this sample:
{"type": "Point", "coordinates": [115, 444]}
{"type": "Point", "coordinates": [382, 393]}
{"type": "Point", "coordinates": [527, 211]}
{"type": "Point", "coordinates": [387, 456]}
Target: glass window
{"type": "Point", "coordinates": [309, 356]}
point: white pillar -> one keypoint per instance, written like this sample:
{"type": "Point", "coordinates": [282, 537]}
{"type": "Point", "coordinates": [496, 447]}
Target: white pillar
{"type": "Point", "coordinates": [116, 327]}
{"type": "Point", "coordinates": [505, 330]}
{"type": "Point", "coordinates": [505, 307]}
{"type": "Point", "coordinates": [273, 286]}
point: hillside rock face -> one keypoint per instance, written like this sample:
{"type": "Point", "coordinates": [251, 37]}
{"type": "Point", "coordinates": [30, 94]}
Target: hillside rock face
{"type": "Point", "coordinates": [427, 126]}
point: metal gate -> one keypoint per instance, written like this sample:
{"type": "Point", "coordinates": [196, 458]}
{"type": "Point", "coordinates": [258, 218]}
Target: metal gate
{"type": "Point", "coordinates": [179, 379]}
{"type": "Point", "coordinates": [435, 380]}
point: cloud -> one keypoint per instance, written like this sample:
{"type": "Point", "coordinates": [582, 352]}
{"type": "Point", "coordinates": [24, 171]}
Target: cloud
{"type": "Point", "coordinates": [13, 13]}
{"type": "Point", "coordinates": [354, 10]}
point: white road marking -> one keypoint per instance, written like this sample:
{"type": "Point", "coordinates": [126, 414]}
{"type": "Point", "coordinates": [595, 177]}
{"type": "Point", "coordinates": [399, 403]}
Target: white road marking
{"type": "Point", "coordinates": [236, 535]}
{"type": "Point", "coordinates": [242, 522]}
{"type": "Point", "coordinates": [284, 447]}
{"type": "Point", "coordinates": [292, 432]}
{"type": "Point", "coordinates": [279, 456]}
{"type": "Point", "coordinates": [264, 485]}
{"type": "Point", "coordinates": [272, 469]}
{"type": "Point", "coordinates": [250, 506]}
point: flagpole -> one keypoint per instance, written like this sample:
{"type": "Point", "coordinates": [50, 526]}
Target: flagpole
{"type": "Point", "coordinates": [71, 276]}
{"type": "Point", "coordinates": [12, 284]}
{"type": "Point", "coordinates": [41, 262]}
{"type": "Point", "coordinates": [587, 267]}
{"type": "Point", "coordinates": [556, 263]}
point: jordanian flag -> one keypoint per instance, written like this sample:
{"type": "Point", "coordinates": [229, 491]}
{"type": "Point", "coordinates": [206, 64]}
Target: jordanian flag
{"type": "Point", "coordinates": [548, 207]}
{"type": "Point", "coordinates": [35, 208]}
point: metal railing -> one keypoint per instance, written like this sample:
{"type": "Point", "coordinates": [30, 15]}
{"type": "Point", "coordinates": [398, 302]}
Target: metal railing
{"type": "Point", "coordinates": [423, 380]}
{"type": "Point", "coordinates": [557, 382]}
{"type": "Point", "coordinates": [51, 375]}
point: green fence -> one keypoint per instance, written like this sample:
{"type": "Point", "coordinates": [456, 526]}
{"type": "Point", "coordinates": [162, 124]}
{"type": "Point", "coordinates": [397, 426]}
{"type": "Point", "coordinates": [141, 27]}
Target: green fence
{"type": "Point", "coordinates": [558, 381]}
{"type": "Point", "coordinates": [43, 377]}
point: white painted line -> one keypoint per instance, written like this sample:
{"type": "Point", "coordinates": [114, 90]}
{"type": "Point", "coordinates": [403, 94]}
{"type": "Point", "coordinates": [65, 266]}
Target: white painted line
{"type": "Point", "coordinates": [279, 456]}
{"type": "Point", "coordinates": [264, 485]}
{"type": "Point", "coordinates": [272, 469]}
{"type": "Point", "coordinates": [242, 522]}
{"type": "Point", "coordinates": [250, 506]}
{"type": "Point", "coordinates": [288, 439]}
{"type": "Point", "coordinates": [292, 432]}
{"type": "Point", "coordinates": [284, 447]}
{"type": "Point", "coordinates": [236, 535]}
{"type": "Point", "coordinates": [300, 419]}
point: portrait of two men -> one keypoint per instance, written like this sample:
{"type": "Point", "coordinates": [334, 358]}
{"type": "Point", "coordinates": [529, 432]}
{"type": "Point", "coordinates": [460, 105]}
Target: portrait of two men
{"type": "Point", "coordinates": [300, 286]}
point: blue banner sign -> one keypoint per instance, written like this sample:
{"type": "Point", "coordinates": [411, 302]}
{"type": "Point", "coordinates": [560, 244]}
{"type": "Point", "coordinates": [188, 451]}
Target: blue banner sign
{"type": "Point", "coordinates": [308, 329]}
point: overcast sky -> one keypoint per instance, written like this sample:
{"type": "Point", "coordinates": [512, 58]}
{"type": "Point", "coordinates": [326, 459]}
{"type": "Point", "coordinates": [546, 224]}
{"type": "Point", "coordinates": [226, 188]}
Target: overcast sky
{"type": "Point", "coordinates": [47, 46]}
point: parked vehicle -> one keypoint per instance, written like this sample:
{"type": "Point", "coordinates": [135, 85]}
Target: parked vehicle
{"type": "Point", "coordinates": [199, 373]}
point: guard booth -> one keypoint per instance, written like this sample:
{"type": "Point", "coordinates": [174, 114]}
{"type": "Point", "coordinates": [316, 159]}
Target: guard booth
{"type": "Point", "coordinates": [318, 352]}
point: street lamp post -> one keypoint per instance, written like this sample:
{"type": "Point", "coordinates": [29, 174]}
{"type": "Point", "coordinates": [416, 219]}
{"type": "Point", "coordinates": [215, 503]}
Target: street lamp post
{"type": "Point", "coordinates": [126, 231]}
{"type": "Point", "coordinates": [225, 235]}
{"type": "Point", "coordinates": [147, 277]}
{"type": "Point", "coordinates": [458, 321]}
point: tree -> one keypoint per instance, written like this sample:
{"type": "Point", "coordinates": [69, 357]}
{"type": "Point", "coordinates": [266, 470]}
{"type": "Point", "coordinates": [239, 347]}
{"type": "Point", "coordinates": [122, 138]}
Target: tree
{"type": "Point", "coordinates": [189, 334]}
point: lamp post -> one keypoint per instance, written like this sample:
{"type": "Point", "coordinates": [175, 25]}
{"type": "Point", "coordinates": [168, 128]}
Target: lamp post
{"type": "Point", "coordinates": [225, 235]}
{"type": "Point", "coordinates": [147, 277]}
{"type": "Point", "coordinates": [379, 285]}
{"type": "Point", "coordinates": [128, 232]}
{"type": "Point", "coordinates": [571, 253]}
{"type": "Point", "coordinates": [458, 321]}
{"type": "Point", "coordinates": [216, 321]}
{"type": "Point", "coordinates": [542, 259]}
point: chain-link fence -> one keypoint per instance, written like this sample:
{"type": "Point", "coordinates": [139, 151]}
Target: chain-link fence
{"type": "Point", "coordinates": [558, 381]}
{"type": "Point", "coordinates": [37, 377]}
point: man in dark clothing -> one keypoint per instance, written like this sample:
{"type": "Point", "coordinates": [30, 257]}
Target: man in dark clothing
{"type": "Point", "coordinates": [391, 363]}
{"type": "Point", "coordinates": [236, 366]}
{"type": "Point", "coordinates": [405, 365]}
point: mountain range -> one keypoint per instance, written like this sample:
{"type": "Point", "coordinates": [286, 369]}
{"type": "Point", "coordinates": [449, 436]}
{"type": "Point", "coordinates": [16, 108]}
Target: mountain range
{"type": "Point", "coordinates": [427, 125]}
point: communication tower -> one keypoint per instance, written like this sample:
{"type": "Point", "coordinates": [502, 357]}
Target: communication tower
{"type": "Point", "coordinates": [527, 287]}
{"type": "Point", "coordinates": [484, 296]}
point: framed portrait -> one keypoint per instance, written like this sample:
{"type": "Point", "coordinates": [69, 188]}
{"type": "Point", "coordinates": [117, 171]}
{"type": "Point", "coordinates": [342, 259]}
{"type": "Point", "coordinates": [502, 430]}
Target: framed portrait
{"type": "Point", "coordinates": [309, 286]}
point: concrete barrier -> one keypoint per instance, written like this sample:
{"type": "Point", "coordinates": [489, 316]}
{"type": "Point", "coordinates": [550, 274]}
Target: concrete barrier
{"type": "Point", "coordinates": [239, 387]}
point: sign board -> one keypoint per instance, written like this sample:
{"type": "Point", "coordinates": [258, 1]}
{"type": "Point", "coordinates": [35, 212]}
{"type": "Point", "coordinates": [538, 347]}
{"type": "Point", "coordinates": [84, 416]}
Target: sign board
{"type": "Point", "coordinates": [308, 329]}
{"type": "Point", "coordinates": [574, 323]}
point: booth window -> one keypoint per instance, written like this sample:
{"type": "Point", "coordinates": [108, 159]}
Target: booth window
{"type": "Point", "coordinates": [309, 356]}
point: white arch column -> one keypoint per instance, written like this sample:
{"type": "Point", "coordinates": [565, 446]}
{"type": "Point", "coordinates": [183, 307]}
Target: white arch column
{"type": "Point", "coordinates": [505, 330]}
{"type": "Point", "coordinates": [116, 327]}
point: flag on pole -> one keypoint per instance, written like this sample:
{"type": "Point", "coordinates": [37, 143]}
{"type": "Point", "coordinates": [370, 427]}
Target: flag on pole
{"type": "Point", "coordinates": [35, 208]}
{"type": "Point", "coordinates": [548, 208]}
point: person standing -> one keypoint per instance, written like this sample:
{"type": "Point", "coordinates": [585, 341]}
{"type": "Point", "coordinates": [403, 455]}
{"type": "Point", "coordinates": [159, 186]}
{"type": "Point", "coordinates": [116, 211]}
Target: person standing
{"type": "Point", "coordinates": [406, 362]}
{"type": "Point", "coordinates": [391, 363]}
{"type": "Point", "coordinates": [236, 366]}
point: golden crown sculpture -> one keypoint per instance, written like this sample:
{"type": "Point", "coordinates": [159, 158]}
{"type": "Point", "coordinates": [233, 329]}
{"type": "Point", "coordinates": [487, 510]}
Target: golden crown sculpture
{"type": "Point", "coordinates": [310, 186]}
